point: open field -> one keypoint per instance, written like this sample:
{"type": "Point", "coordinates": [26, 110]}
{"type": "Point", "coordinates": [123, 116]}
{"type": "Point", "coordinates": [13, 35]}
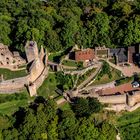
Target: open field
{"type": "Point", "coordinates": [7, 74]}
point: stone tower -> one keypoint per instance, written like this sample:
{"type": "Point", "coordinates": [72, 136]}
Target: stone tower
{"type": "Point", "coordinates": [31, 50]}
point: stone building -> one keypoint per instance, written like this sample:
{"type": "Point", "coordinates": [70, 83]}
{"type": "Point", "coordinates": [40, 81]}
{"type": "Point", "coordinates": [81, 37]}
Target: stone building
{"type": "Point", "coordinates": [10, 59]}
{"type": "Point", "coordinates": [84, 55]}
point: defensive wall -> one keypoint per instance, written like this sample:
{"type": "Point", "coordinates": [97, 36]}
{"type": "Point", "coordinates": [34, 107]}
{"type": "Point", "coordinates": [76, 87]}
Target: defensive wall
{"type": "Point", "coordinates": [128, 101]}
{"type": "Point", "coordinates": [38, 71]}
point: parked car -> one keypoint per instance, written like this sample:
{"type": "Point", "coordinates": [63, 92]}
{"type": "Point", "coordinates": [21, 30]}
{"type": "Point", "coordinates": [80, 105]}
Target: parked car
{"type": "Point", "coordinates": [135, 84]}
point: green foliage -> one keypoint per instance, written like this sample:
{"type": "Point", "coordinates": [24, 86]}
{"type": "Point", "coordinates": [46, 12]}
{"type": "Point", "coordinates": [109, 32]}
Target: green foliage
{"type": "Point", "coordinates": [124, 80]}
{"type": "Point", "coordinates": [43, 120]}
{"type": "Point", "coordinates": [129, 124]}
{"type": "Point", "coordinates": [85, 107]}
{"type": "Point", "coordinates": [64, 80]}
{"type": "Point", "coordinates": [105, 70]}
{"type": "Point", "coordinates": [59, 25]}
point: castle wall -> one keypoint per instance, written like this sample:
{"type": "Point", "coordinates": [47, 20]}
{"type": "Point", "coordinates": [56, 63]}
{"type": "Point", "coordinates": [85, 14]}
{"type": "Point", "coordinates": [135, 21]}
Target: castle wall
{"type": "Point", "coordinates": [113, 99]}
{"type": "Point", "coordinates": [37, 73]}
{"type": "Point", "coordinates": [13, 85]}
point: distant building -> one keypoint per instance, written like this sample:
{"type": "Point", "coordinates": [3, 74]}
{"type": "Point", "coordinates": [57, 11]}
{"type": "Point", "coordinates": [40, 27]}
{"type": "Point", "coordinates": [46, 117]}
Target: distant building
{"type": "Point", "coordinates": [120, 55]}
{"type": "Point", "coordinates": [84, 55]}
{"type": "Point", "coordinates": [131, 54]}
{"type": "Point", "coordinates": [101, 52]}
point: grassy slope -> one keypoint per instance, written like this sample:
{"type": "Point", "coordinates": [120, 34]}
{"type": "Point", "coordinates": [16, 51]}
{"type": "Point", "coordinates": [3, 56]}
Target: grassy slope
{"type": "Point", "coordinates": [49, 86]}
{"type": "Point", "coordinates": [7, 74]}
{"type": "Point", "coordinates": [105, 79]}
{"type": "Point", "coordinates": [9, 108]}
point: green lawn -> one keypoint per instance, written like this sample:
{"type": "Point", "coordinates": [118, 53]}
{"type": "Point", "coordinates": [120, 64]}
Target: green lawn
{"type": "Point", "coordinates": [48, 87]}
{"type": "Point", "coordinates": [7, 74]}
{"type": "Point", "coordinates": [9, 103]}
{"type": "Point", "coordinates": [116, 74]}
{"type": "Point", "coordinates": [16, 96]}
{"type": "Point", "coordinates": [70, 63]}
{"type": "Point", "coordinates": [10, 107]}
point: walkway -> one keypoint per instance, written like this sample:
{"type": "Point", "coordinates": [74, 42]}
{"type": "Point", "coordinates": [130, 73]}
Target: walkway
{"type": "Point", "coordinates": [101, 86]}
{"type": "Point", "coordinates": [126, 70]}
{"type": "Point", "coordinates": [90, 77]}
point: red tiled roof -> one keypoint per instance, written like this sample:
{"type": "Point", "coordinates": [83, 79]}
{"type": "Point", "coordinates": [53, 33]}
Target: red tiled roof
{"type": "Point", "coordinates": [119, 89]}
{"type": "Point", "coordinates": [83, 55]}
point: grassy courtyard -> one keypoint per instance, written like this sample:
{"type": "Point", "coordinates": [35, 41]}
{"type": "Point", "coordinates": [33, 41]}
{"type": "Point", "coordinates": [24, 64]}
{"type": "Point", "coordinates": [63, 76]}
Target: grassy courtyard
{"type": "Point", "coordinates": [69, 63]}
{"type": "Point", "coordinates": [116, 74]}
{"type": "Point", "coordinates": [49, 86]}
{"type": "Point", "coordinates": [7, 74]}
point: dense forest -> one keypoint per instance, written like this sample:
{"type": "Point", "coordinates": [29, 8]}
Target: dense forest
{"type": "Point", "coordinates": [59, 24]}
{"type": "Point", "coordinates": [42, 120]}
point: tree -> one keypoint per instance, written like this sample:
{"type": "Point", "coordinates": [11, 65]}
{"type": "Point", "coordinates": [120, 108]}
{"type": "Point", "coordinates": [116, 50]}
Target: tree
{"type": "Point", "coordinates": [81, 107]}
{"type": "Point", "coordinates": [86, 130]}
{"type": "Point", "coordinates": [94, 105]}
{"type": "Point", "coordinates": [108, 132]}
{"type": "Point", "coordinates": [68, 125]}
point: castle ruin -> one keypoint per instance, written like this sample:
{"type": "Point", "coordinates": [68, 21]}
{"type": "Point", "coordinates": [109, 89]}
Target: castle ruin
{"type": "Point", "coordinates": [8, 59]}
{"type": "Point", "coordinates": [38, 71]}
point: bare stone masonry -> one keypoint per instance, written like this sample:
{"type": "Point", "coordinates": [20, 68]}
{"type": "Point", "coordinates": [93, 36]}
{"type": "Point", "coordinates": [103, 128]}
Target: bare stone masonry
{"type": "Point", "coordinates": [38, 71]}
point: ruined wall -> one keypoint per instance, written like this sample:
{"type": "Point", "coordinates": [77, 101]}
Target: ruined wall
{"type": "Point", "coordinates": [134, 98]}
{"type": "Point", "coordinates": [9, 59]}
{"type": "Point", "coordinates": [13, 85]}
{"type": "Point", "coordinates": [37, 73]}
{"type": "Point", "coordinates": [113, 99]}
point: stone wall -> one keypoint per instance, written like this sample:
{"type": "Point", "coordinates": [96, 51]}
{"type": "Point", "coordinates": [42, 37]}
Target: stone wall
{"type": "Point", "coordinates": [13, 85]}
{"type": "Point", "coordinates": [38, 71]}
{"type": "Point", "coordinates": [11, 60]}
{"type": "Point", "coordinates": [114, 99]}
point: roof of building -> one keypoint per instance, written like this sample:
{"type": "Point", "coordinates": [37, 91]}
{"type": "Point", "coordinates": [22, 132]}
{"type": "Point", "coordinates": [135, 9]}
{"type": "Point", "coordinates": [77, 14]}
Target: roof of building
{"type": "Point", "coordinates": [121, 53]}
{"type": "Point", "coordinates": [86, 54]}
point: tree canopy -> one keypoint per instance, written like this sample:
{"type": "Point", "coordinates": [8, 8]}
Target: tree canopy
{"type": "Point", "coordinates": [58, 24]}
{"type": "Point", "coordinates": [43, 120]}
